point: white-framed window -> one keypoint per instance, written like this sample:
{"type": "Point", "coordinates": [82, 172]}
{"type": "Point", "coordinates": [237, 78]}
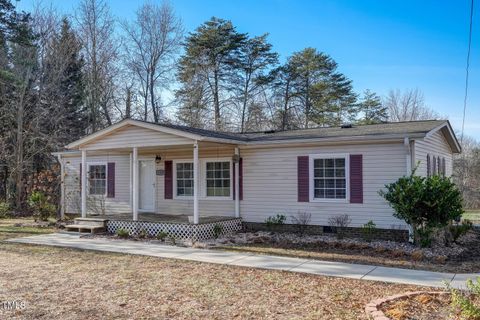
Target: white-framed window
{"type": "Point", "coordinates": [215, 176]}
{"type": "Point", "coordinates": [183, 178]}
{"type": "Point", "coordinates": [218, 178]}
{"type": "Point", "coordinates": [329, 177]}
{"type": "Point", "coordinates": [97, 179]}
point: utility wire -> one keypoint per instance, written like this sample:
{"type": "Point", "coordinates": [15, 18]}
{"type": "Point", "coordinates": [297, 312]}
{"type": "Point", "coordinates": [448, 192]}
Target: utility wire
{"type": "Point", "coordinates": [467, 68]}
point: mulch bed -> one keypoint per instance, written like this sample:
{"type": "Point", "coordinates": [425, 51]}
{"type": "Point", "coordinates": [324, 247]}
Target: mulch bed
{"type": "Point", "coordinates": [463, 257]}
{"type": "Point", "coordinates": [426, 306]}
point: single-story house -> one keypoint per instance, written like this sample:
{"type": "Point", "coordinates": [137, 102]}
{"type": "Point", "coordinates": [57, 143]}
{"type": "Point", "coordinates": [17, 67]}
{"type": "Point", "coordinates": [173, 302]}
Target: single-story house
{"type": "Point", "coordinates": [136, 167]}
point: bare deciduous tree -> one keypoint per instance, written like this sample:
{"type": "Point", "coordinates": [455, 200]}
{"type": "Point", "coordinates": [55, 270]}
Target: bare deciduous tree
{"type": "Point", "coordinates": [467, 172]}
{"type": "Point", "coordinates": [407, 106]}
{"type": "Point", "coordinates": [152, 43]}
{"type": "Point", "coordinates": [96, 29]}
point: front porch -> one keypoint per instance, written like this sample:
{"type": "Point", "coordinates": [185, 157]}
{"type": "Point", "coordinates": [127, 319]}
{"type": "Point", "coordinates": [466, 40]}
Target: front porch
{"type": "Point", "coordinates": [162, 218]}
{"type": "Point", "coordinates": [174, 226]}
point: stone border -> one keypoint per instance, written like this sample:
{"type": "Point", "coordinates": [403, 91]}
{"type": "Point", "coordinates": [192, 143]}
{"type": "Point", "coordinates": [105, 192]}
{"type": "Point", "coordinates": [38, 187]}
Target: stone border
{"type": "Point", "coordinates": [372, 309]}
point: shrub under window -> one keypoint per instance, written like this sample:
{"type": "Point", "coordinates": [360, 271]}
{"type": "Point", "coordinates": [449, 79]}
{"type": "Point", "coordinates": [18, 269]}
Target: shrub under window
{"type": "Point", "coordinates": [425, 203]}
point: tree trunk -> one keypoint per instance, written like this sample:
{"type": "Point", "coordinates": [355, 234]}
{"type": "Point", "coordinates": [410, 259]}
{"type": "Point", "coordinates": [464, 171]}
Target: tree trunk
{"type": "Point", "coordinates": [216, 103]}
{"type": "Point", "coordinates": [307, 102]}
{"type": "Point", "coordinates": [285, 106]}
{"type": "Point", "coordinates": [156, 117]}
{"type": "Point", "coordinates": [20, 142]}
{"type": "Point", "coordinates": [128, 104]}
{"type": "Point", "coordinates": [244, 105]}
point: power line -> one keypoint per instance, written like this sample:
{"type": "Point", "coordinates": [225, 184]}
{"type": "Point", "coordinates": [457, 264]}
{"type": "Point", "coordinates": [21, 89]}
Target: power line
{"type": "Point", "coordinates": [466, 75]}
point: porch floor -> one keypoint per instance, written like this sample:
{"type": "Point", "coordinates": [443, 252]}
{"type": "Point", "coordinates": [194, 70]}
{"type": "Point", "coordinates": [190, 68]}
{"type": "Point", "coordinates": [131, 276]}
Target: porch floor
{"type": "Point", "coordinates": [157, 217]}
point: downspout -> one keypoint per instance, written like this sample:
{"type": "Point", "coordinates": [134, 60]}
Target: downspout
{"type": "Point", "coordinates": [408, 159]}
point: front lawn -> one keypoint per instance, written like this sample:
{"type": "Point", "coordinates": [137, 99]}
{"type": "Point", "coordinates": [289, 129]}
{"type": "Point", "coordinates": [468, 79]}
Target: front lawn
{"type": "Point", "coordinates": [58, 283]}
{"type": "Point", "coordinates": [473, 215]}
{"type": "Point", "coordinates": [9, 228]}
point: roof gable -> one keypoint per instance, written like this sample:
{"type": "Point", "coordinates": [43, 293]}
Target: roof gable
{"type": "Point", "coordinates": [178, 131]}
{"type": "Point", "coordinates": [135, 136]}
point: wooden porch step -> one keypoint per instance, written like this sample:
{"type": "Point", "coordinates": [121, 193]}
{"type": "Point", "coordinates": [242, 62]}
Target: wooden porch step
{"type": "Point", "coordinates": [91, 221]}
{"type": "Point", "coordinates": [84, 228]}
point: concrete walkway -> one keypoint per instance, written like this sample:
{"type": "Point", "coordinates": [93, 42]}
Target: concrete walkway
{"type": "Point", "coordinates": [325, 268]}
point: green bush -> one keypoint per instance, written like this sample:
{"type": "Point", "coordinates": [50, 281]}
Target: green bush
{"type": "Point", "coordinates": [458, 230]}
{"type": "Point", "coordinates": [424, 203]}
{"type": "Point", "coordinates": [161, 235]}
{"type": "Point", "coordinates": [122, 233]}
{"type": "Point", "coordinates": [339, 224]}
{"type": "Point", "coordinates": [42, 209]}
{"type": "Point", "coordinates": [466, 302]}
{"type": "Point", "coordinates": [278, 219]}
{"type": "Point", "coordinates": [4, 210]}
{"type": "Point", "coordinates": [143, 234]}
{"type": "Point", "coordinates": [217, 231]}
{"type": "Point", "coordinates": [369, 230]}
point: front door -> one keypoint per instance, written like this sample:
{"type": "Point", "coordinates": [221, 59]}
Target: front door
{"type": "Point", "coordinates": [146, 174]}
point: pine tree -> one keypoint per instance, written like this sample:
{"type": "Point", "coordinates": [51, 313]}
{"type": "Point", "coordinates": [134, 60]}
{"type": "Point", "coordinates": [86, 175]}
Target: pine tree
{"type": "Point", "coordinates": [372, 109]}
{"type": "Point", "coordinates": [211, 53]}
{"type": "Point", "coordinates": [325, 96]}
{"type": "Point", "coordinates": [63, 94]}
{"type": "Point", "coordinates": [256, 57]}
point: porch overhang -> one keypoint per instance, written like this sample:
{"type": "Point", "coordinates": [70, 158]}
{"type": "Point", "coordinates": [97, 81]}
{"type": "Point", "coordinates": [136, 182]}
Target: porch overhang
{"type": "Point", "coordinates": [184, 137]}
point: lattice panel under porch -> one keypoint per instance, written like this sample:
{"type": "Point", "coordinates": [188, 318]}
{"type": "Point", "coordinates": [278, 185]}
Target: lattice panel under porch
{"type": "Point", "coordinates": [177, 230]}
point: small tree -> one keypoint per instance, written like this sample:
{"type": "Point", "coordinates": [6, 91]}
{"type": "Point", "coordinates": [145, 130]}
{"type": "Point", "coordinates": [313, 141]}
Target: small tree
{"type": "Point", "coordinates": [424, 203]}
{"type": "Point", "coordinates": [42, 209]}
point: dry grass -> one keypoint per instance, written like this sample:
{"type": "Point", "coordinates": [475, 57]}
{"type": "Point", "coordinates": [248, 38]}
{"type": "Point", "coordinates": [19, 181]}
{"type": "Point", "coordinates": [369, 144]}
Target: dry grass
{"type": "Point", "coordinates": [59, 283]}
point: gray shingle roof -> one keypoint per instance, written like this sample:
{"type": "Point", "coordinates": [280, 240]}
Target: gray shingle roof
{"type": "Point", "coordinates": [410, 127]}
{"type": "Point", "coordinates": [356, 130]}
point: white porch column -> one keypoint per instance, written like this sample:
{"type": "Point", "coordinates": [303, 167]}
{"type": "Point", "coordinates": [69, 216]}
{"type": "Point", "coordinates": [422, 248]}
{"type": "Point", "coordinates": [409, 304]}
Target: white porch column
{"type": "Point", "coordinates": [196, 217]}
{"type": "Point", "coordinates": [135, 184]}
{"type": "Point", "coordinates": [84, 184]}
{"type": "Point", "coordinates": [237, 183]}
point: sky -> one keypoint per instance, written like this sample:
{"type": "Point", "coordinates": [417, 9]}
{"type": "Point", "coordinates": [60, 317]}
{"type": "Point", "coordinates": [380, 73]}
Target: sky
{"type": "Point", "coordinates": [380, 45]}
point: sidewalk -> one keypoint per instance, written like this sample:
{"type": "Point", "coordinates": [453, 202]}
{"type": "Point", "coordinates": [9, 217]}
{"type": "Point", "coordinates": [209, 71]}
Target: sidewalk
{"type": "Point", "coordinates": [325, 268]}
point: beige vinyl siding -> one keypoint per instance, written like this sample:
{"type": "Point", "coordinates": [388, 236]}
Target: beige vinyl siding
{"type": "Point", "coordinates": [270, 183]}
{"type": "Point", "coordinates": [120, 203]}
{"type": "Point", "coordinates": [435, 145]}
{"type": "Point", "coordinates": [132, 136]}
{"type": "Point", "coordinates": [216, 207]}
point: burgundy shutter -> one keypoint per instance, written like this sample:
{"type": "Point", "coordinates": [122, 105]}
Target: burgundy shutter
{"type": "Point", "coordinates": [168, 179]}
{"type": "Point", "coordinates": [240, 178]}
{"type": "Point", "coordinates": [111, 180]}
{"type": "Point", "coordinates": [303, 179]}
{"type": "Point", "coordinates": [356, 178]}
